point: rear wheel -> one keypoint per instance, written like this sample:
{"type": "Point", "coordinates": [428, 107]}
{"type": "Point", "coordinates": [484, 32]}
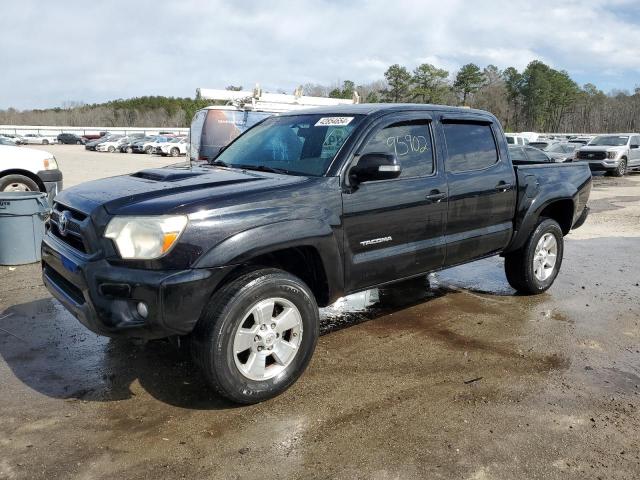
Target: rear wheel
{"type": "Point", "coordinates": [78, 142]}
{"type": "Point", "coordinates": [257, 335]}
{"type": "Point", "coordinates": [533, 268]}
{"type": "Point", "coordinates": [129, 150]}
{"type": "Point", "coordinates": [622, 168]}
{"type": "Point", "coordinates": [45, 142]}
{"type": "Point", "coordinates": [111, 149]}
{"type": "Point", "coordinates": [18, 183]}
{"type": "Point", "coordinates": [148, 150]}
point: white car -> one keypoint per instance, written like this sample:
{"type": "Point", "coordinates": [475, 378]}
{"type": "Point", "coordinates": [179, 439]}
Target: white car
{"type": "Point", "coordinates": [112, 145]}
{"type": "Point", "coordinates": [29, 170]}
{"type": "Point", "coordinates": [176, 147]}
{"type": "Point", "coordinates": [39, 139]}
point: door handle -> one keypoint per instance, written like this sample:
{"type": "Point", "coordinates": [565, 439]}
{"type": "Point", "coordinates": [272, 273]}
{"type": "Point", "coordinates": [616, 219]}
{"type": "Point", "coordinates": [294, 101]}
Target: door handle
{"type": "Point", "coordinates": [436, 197]}
{"type": "Point", "coordinates": [504, 187]}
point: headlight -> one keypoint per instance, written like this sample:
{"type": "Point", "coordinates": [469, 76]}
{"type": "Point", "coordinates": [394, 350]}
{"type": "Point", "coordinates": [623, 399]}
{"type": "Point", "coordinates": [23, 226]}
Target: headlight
{"type": "Point", "coordinates": [145, 238]}
{"type": "Point", "coordinates": [612, 154]}
{"type": "Point", "coordinates": [50, 163]}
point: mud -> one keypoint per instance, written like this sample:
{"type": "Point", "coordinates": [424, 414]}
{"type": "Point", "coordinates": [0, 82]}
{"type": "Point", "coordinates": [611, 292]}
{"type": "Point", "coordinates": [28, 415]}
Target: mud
{"type": "Point", "coordinates": [464, 379]}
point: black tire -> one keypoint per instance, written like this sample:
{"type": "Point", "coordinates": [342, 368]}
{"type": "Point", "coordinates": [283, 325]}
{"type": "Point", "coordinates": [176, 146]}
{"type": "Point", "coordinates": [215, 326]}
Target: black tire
{"type": "Point", "coordinates": [15, 180]}
{"type": "Point", "coordinates": [621, 170]}
{"type": "Point", "coordinates": [519, 265]}
{"type": "Point", "coordinates": [175, 152]}
{"type": "Point", "coordinates": [45, 142]}
{"type": "Point", "coordinates": [212, 339]}
{"type": "Point", "coordinates": [111, 149]}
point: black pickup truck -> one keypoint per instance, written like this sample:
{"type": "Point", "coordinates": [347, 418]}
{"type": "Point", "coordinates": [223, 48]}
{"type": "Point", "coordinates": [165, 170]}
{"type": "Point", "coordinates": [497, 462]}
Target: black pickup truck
{"type": "Point", "coordinates": [300, 210]}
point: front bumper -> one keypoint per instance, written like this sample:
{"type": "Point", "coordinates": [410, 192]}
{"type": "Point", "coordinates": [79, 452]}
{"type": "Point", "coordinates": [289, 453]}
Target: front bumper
{"type": "Point", "coordinates": [603, 165]}
{"type": "Point", "coordinates": [104, 297]}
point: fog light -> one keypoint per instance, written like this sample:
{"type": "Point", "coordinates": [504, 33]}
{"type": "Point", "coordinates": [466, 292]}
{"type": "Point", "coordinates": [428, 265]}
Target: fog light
{"type": "Point", "coordinates": [143, 310]}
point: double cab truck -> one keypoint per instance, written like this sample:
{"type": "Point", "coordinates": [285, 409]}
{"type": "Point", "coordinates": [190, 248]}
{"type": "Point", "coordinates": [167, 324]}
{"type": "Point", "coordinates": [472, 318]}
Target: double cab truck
{"type": "Point", "coordinates": [305, 207]}
{"type": "Point", "coordinates": [614, 154]}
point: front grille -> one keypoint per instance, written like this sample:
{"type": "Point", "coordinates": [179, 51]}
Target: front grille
{"type": "Point", "coordinates": [72, 234]}
{"type": "Point", "coordinates": [591, 155]}
{"type": "Point", "coordinates": [65, 285]}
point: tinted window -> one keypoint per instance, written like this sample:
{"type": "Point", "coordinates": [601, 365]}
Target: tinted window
{"type": "Point", "coordinates": [635, 140]}
{"type": "Point", "coordinates": [410, 142]}
{"type": "Point", "coordinates": [470, 146]}
{"type": "Point", "coordinates": [536, 156]}
{"type": "Point", "coordinates": [511, 140]}
{"type": "Point", "coordinates": [517, 155]}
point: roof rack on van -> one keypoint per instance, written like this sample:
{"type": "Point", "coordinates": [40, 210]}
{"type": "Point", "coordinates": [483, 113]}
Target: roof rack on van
{"type": "Point", "coordinates": [256, 99]}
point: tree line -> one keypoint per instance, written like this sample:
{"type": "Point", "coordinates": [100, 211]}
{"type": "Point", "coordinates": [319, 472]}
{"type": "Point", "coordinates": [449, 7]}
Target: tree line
{"type": "Point", "coordinates": [539, 98]}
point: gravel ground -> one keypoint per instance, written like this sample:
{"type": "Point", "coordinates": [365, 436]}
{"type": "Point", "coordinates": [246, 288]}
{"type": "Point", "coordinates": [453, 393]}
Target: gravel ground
{"type": "Point", "coordinates": [465, 380]}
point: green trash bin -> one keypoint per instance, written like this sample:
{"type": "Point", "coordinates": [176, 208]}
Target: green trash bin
{"type": "Point", "coordinates": [22, 219]}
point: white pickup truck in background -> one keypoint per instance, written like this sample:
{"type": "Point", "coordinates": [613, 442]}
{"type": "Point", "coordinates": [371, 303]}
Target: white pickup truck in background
{"type": "Point", "coordinates": [27, 169]}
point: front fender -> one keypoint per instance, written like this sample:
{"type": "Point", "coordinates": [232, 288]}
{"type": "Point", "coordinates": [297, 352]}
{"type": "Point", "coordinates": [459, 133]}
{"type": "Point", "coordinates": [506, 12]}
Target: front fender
{"type": "Point", "coordinates": [243, 246]}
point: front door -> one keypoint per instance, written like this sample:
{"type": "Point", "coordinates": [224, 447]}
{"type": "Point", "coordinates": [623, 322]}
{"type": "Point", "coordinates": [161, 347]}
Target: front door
{"type": "Point", "coordinates": [395, 228]}
{"type": "Point", "coordinates": [482, 189]}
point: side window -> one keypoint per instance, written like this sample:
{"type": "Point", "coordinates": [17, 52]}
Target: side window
{"type": "Point", "coordinates": [410, 142]}
{"type": "Point", "coordinates": [635, 140]}
{"type": "Point", "coordinates": [470, 146]}
{"type": "Point", "coordinates": [517, 155]}
{"type": "Point", "coordinates": [536, 156]}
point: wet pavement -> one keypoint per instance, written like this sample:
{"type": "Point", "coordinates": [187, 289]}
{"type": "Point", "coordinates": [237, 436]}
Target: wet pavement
{"type": "Point", "coordinates": [464, 379]}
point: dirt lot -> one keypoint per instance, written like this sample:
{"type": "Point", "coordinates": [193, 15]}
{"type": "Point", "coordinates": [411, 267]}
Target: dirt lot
{"type": "Point", "coordinates": [466, 380]}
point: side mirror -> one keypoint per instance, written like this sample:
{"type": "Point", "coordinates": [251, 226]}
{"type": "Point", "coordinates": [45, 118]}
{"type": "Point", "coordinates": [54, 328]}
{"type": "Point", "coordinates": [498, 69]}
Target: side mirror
{"type": "Point", "coordinates": [375, 166]}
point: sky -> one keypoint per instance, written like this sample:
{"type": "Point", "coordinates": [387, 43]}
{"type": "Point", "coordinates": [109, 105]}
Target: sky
{"type": "Point", "coordinates": [76, 51]}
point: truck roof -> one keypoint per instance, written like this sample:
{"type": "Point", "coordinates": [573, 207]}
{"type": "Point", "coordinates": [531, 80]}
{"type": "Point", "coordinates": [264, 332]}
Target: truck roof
{"type": "Point", "coordinates": [371, 108]}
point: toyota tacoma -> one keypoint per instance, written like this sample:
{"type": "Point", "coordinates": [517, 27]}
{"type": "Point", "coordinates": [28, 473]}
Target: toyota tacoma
{"type": "Point", "coordinates": [238, 253]}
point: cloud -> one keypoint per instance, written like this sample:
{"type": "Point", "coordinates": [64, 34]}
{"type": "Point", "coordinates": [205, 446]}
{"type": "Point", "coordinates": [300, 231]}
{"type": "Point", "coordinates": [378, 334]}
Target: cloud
{"type": "Point", "coordinates": [122, 49]}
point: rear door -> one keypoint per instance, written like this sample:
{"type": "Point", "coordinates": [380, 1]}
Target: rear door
{"type": "Point", "coordinates": [482, 187]}
{"type": "Point", "coordinates": [395, 228]}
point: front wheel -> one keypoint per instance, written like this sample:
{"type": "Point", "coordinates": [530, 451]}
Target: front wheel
{"type": "Point", "coordinates": [622, 168]}
{"type": "Point", "coordinates": [111, 149]}
{"type": "Point", "coordinates": [533, 268]}
{"type": "Point", "coordinates": [129, 150]}
{"type": "Point", "coordinates": [17, 183]}
{"type": "Point", "coordinates": [257, 335]}
{"type": "Point", "coordinates": [175, 152]}
{"type": "Point", "coordinates": [45, 142]}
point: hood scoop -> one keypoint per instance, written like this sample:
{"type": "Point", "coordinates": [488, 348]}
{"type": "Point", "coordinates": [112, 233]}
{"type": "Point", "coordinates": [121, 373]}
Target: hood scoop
{"type": "Point", "coordinates": [165, 174]}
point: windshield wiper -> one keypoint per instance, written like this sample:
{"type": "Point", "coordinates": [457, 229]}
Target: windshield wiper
{"type": "Point", "coordinates": [265, 168]}
{"type": "Point", "coordinates": [219, 163]}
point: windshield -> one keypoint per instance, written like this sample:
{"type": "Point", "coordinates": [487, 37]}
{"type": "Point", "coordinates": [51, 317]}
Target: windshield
{"type": "Point", "coordinates": [296, 144]}
{"type": "Point", "coordinates": [609, 141]}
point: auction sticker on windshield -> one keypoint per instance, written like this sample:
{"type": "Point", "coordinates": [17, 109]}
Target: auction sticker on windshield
{"type": "Point", "coordinates": [333, 121]}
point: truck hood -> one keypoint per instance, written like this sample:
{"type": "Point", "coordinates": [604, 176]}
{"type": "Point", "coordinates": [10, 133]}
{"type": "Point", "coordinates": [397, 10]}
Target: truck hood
{"type": "Point", "coordinates": [168, 190]}
{"type": "Point", "coordinates": [602, 148]}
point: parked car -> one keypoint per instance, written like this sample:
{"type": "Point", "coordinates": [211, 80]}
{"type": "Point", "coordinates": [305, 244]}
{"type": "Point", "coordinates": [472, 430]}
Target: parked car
{"type": "Point", "coordinates": [526, 155]}
{"type": "Point", "coordinates": [70, 139]}
{"type": "Point", "coordinates": [513, 139]}
{"type": "Point", "coordinates": [29, 170]}
{"type": "Point", "coordinates": [106, 138]}
{"type": "Point", "coordinates": [113, 144]}
{"type": "Point", "coordinates": [541, 144]}
{"type": "Point", "coordinates": [7, 141]}
{"type": "Point", "coordinates": [94, 136]}
{"type": "Point", "coordinates": [174, 147]}
{"type": "Point", "coordinates": [17, 139]}
{"type": "Point", "coordinates": [614, 154]}
{"type": "Point", "coordinates": [39, 139]}
{"type": "Point", "coordinates": [562, 150]}
{"type": "Point", "coordinates": [300, 210]}
{"type": "Point", "coordinates": [579, 140]}
{"type": "Point", "coordinates": [148, 144]}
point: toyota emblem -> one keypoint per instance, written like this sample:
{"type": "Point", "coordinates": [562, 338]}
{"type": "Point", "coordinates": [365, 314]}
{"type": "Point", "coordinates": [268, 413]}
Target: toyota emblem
{"type": "Point", "coordinates": [63, 220]}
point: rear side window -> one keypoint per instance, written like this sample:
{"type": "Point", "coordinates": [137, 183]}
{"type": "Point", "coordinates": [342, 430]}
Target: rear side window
{"type": "Point", "coordinates": [517, 155]}
{"type": "Point", "coordinates": [536, 155]}
{"type": "Point", "coordinates": [470, 146]}
{"type": "Point", "coordinates": [410, 142]}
